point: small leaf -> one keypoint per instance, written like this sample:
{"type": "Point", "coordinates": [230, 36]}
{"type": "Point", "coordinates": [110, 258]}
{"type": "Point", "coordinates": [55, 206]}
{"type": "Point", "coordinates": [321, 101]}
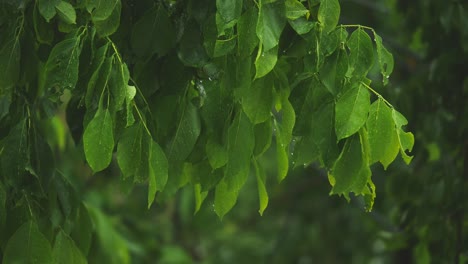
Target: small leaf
{"type": "Point", "coordinates": [383, 141]}
{"type": "Point", "coordinates": [295, 9]}
{"type": "Point", "coordinates": [66, 12]}
{"type": "Point", "coordinates": [101, 9]}
{"type": "Point", "coordinates": [257, 101]}
{"type": "Point", "coordinates": [109, 25]}
{"type": "Point", "coordinates": [28, 245]}
{"type": "Point", "coordinates": [216, 153]}
{"type": "Point", "coordinates": [246, 34]}
{"type": "Point", "coordinates": [328, 14]}
{"type": "Point", "coordinates": [98, 140]}
{"type": "Point", "coordinates": [61, 68]}
{"type": "Point", "coordinates": [351, 111]}
{"type": "Point", "coordinates": [265, 61]}
{"type": "Point", "coordinates": [47, 8]}
{"type": "Point", "coordinates": [65, 250]}
{"type": "Point", "coordinates": [262, 192]}
{"type": "Point", "coordinates": [225, 199]}
{"type": "Point", "coordinates": [406, 139]}
{"type": "Point", "coordinates": [385, 59]}
{"type": "Point", "coordinates": [361, 55]}
{"type": "Point", "coordinates": [158, 170]}
{"type": "Point", "coordinates": [200, 196]}
{"type": "Point", "coordinates": [229, 9]}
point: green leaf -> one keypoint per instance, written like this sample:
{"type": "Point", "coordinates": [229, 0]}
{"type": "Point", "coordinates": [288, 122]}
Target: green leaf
{"type": "Point", "coordinates": [406, 139]}
{"type": "Point", "coordinates": [257, 101]}
{"type": "Point", "coordinates": [383, 141]}
{"type": "Point", "coordinates": [328, 14]}
{"type": "Point", "coordinates": [3, 213]}
{"type": "Point", "coordinates": [47, 8]}
{"type": "Point", "coordinates": [109, 25]}
{"type": "Point", "coordinates": [229, 9]}
{"type": "Point", "coordinates": [28, 245]}
{"type": "Point", "coordinates": [302, 25]}
{"type": "Point", "coordinates": [200, 196]}
{"type": "Point", "coordinates": [66, 12]}
{"type": "Point", "coordinates": [385, 59]}
{"type": "Point", "coordinates": [147, 31]}
{"type": "Point", "coordinates": [263, 136]}
{"type": "Point", "coordinates": [98, 140]}
{"type": "Point", "coordinates": [350, 172]}
{"type": "Point", "coordinates": [65, 251]}
{"type": "Point", "coordinates": [351, 111]}
{"type": "Point", "coordinates": [44, 33]}
{"type": "Point", "coordinates": [265, 61]}
{"type": "Point", "coordinates": [334, 70]}
{"type": "Point", "coordinates": [101, 9]}
{"type": "Point", "coordinates": [186, 134]}
{"type": "Point", "coordinates": [295, 9]}
{"type": "Point", "coordinates": [361, 55]}
{"type": "Point", "coordinates": [246, 34]}
{"type": "Point", "coordinates": [15, 152]}
{"type": "Point", "coordinates": [83, 229]}
{"type": "Point", "coordinates": [118, 82]}
{"type": "Point", "coordinates": [225, 199]}
{"type": "Point", "coordinates": [262, 192]}
{"type": "Point", "coordinates": [61, 69]}
{"type": "Point", "coordinates": [158, 170]}
{"type": "Point", "coordinates": [129, 150]}
{"type": "Point", "coordinates": [216, 153]}
{"type": "Point", "coordinates": [10, 55]}
{"type": "Point", "coordinates": [98, 82]}
{"type": "Point", "coordinates": [284, 135]}
{"type": "Point", "coordinates": [240, 148]}
{"type": "Point", "coordinates": [271, 22]}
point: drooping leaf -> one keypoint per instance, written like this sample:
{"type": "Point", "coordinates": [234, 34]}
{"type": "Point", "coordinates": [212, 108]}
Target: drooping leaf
{"type": "Point", "coordinates": [146, 38]}
{"type": "Point", "coordinates": [61, 69]}
{"type": "Point", "coordinates": [82, 232]}
{"type": "Point", "coordinates": [200, 196]}
{"type": "Point", "coordinates": [216, 153]}
{"type": "Point", "coordinates": [158, 170]}
{"type": "Point", "coordinates": [271, 22]}
{"type": "Point", "coordinates": [284, 131]}
{"type": "Point", "coordinates": [265, 61]}
{"type": "Point", "coordinates": [66, 12]}
{"type": "Point", "coordinates": [333, 71]}
{"type": "Point", "coordinates": [328, 14]}
{"type": "Point", "coordinates": [44, 34]}
{"type": "Point", "coordinates": [383, 141]}
{"type": "Point", "coordinates": [351, 111]}
{"type": "Point", "coordinates": [10, 55]}
{"type": "Point", "coordinates": [295, 9]}
{"type": "Point", "coordinates": [262, 192]}
{"type": "Point", "coordinates": [109, 25]}
{"type": "Point", "coordinates": [240, 147]}
{"type": "Point", "coordinates": [98, 82]}
{"type": "Point", "coordinates": [225, 198]}
{"type": "Point", "coordinates": [257, 101]}
{"type": "Point", "coordinates": [129, 150]}
{"type": "Point", "coordinates": [47, 8]}
{"type": "Point", "coordinates": [406, 139]}
{"type": "Point", "coordinates": [100, 9]}
{"type": "Point", "coordinates": [361, 53]}
{"type": "Point", "coordinates": [98, 140]}
{"type": "Point", "coordinates": [65, 251]}
{"type": "Point", "coordinates": [28, 245]}
{"type": "Point", "coordinates": [263, 136]}
{"type": "Point", "coordinates": [186, 134]}
{"type": "Point", "coordinates": [118, 82]}
{"type": "Point", "coordinates": [246, 35]}
{"type": "Point", "coordinates": [229, 9]}
{"type": "Point", "coordinates": [385, 59]}
{"type": "Point", "coordinates": [15, 152]}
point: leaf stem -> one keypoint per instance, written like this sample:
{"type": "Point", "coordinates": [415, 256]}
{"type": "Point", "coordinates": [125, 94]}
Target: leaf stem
{"type": "Point", "coordinates": [378, 95]}
{"type": "Point", "coordinates": [141, 118]}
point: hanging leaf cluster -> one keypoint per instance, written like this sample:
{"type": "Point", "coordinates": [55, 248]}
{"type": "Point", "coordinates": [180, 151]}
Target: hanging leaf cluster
{"type": "Point", "coordinates": [175, 93]}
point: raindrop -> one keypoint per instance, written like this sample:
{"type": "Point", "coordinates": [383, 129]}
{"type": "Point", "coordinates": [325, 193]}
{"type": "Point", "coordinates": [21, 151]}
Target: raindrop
{"type": "Point", "coordinates": [263, 54]}
{"type": "Point", "coordinates": [209, 79]}
{"type": "Point", "coordinates": [387, 76]}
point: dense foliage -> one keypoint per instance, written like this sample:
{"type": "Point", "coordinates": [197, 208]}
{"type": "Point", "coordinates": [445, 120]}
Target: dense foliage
{"type": "Point", "coordinates": [177, 93]}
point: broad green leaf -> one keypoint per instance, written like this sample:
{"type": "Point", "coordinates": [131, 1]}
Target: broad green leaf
{"type": "Point", "coordinates": [263, 136]}
{"type": "Point", "coordinates": [15, 152]}
{"type": "Point", "coordinates": [271, 22]}
{"type": "Point", "coordinates": [109, 25]}
{"type": "Point", "coordinates": [147, 32]}
{"type": "Point", "coordinates": [385, 59]}
{"type": "Point", "coordinates": [246, 35]}
{"type": "Point", "coordinates": [66, 12]}
{"type": "Point", "coordinates": [265, 61]}
{"type": "Point", "coordinates": [351, 111]}
{"type": "Point", "coordinates": [328, 14]}
{"type": "Point", "coordinates": [98, 140]}
{"type": "Point", "coordinates": [229, 9]}
{"type": "Point", "coordinates": [224, 46]}
{"type": "Point", "coordinates": [82, 230]}
{"type": "Point", "coordinates": [118, 82]}
{"type": "Point", "coordinates": [28, 245]}
{"type": "Point", "coordinates": [257, 101]}
{"type": "Point", "coordinates": [350, 172]}
{"type": "Point", "coordinates": [44, 33]}
{"type": "Point", "coordinates": [361, 52]}
{"type": "Point", "coordinates": [225, 199]}
{"type": "Point", "coordinates": [284, 135]}
{"type": "Point", "coordinates": [61, 69]}
{"type": "Point", "coordinates": [98, 82]}
{"type": "Point", "coordinates": [241, 142]}
{"type": "Point", "coordinates": [406, 139]}
{"type": "Point", "coordinates": [158, 170]}
{"type": "Point", "coordinates": [216, 153]}
{"type": "Point", "coordinates": [47, 8]}
{"type": "Point", "coordinates": [295, 9]}
{"type": "Point", "coordinates": [10, 55]}
{"type": "Point", "coordinates": [129, 150]}
{"type": "Point", "coordinates": [302, 25]}
{"type": "Point", "coordinates": [262, 192]}
{"type": "Point", "coordinates": [65, 251]}
{"type": "Point", "coordinates": [200, 196]}
{"type": "Point", "coordinates": [187, 131]}
{"type": "Point", "coordinates": [101, 9]}
{"type": "Point", "coordinates": [334, 70]}
{"type": "Point", "coordinates": [383, 141]}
